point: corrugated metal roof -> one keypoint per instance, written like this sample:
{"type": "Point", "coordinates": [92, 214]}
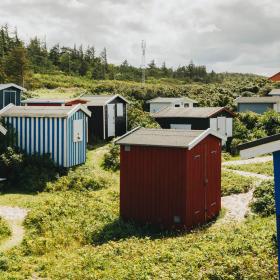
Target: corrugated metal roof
{"type": "Point", "coordinates": [100, 100]}
{"type": "Point", "coordinates": [275, 91]}
{"type": "Point", "coordinates": [196, 112]}
{"type": "Point", "coordinates": [41, 111]}
{"type": "Point", "coordinates": [164, 137]}
{"type": "Point", "coordinates": [257, 99]}
{"type": "Point", "coordinates": [41, 100]}
{"type": "Point", "coordinates": [4, 86]}
{"type": "Point", "coordinates": [171, 100]}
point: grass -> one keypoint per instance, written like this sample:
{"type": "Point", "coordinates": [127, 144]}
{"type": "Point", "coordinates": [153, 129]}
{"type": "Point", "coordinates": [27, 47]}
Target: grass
{"type": "Point", "coordinates": [78, 235]}
{"type": "Point", "coordinates": [4, 230]}
{"type": "Point", "coordinates": [233, 183]}
{"type": "Point", "coordinates": [265, 168]}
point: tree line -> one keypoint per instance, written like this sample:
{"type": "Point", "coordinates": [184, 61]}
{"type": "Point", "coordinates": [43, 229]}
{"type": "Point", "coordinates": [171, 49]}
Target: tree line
{"type": "Point", "coordinates": [19, 60]}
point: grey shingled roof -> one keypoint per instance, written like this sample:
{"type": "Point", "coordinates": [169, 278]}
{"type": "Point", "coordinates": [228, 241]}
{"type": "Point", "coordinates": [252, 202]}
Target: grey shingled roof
{"type": "Point", "coordinates": [41, 100]}
{"type": "Point", "coordinates": [100, 100]}
{"type": "Point", "coordinates": [179, 138]}
{"type": "Point", "coordinates": [196, 112]}
{"type": "Point", "coordinates": [257, 99]}
{"type": "Point", "coordinates": [275, 91]}
{"type": "Point", "coordinates": [41, 111]}
{"type": "Point", "coordinates": [4, 86]}
{"type": "Point", "coordinates": [171, 100]}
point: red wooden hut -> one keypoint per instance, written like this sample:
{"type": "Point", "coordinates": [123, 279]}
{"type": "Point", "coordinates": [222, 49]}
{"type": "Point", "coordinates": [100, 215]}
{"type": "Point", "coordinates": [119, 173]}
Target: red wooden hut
{"type": "Point", "coordinates": [275, 78]}
{"type": "Point", "coordinates": [170, 177]}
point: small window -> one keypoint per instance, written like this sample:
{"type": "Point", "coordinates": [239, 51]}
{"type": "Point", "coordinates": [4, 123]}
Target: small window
{"type": "Point", "coordinates": [119, 110]}
{"type": "Point", "coordinates": [177, 105]}
{"type": "Point", "coordinates": [77, 130]}
{"type": "Point", "coordinates": [186, 105]}
{"type": "Point", "coordinates": [127, 148]}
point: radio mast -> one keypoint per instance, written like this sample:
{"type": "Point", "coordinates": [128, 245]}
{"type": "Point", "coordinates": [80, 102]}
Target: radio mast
{"type": "Point", "coordinates": [143, 65]}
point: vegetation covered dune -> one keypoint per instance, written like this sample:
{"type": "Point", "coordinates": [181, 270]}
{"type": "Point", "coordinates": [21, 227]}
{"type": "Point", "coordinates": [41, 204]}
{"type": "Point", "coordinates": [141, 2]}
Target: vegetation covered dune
{"type": "Point", "coordinates": [73, 231]}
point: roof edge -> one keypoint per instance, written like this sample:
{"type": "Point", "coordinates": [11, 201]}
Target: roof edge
{"type": "Point", "coordinates": [203, 135]}
{"type": "Point", "coordinates": [126, 134]}
{"type": "Point", "coordinates": [7, 108]}
{"type": "Point", "coordinates": [77, 108]}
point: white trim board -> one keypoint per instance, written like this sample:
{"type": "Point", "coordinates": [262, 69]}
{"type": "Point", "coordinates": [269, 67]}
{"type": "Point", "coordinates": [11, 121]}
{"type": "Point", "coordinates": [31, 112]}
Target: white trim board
{"type": "Point", "coordinates": [3, 130]}
{"type": "Point", "coordinates": [260, 150]}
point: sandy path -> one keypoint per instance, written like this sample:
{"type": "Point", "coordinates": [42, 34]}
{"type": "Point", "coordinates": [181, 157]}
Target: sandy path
{"type": "Point", "coordinates": [237, 205]}
{"type": "Point", "coordinates": [14, 217]}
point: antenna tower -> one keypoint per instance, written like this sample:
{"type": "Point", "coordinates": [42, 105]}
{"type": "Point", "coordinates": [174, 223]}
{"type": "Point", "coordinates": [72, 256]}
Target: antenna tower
{"type": "Point", "coordinates": [143, 65]}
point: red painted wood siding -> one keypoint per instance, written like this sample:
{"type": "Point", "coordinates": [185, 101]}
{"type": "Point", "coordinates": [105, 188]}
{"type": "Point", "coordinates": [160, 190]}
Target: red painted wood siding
{"type": "Point", "coordinates": [160, 183]}
{"type": "Point", "coordinates": [204, 181]}
{"type": "Point", "coordinates": [152, 184]}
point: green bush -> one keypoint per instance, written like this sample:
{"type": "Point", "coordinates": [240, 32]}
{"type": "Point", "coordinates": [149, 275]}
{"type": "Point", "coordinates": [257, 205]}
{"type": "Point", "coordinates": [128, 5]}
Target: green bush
{"type": "Point", "coordinates": [264, 202]}
{"type": "Point", "coordinates": [111, 159]}
{"type": "Point", "coordinates": [26, 172]}
{"type": "Point", "coordinates": [4, 230]}
{"type": "Point", "coordinates": [265, 168]}
{"type": "Point", "coordinates": [233, 183]}
{"type": "Point", "coordinates": [79, 180]}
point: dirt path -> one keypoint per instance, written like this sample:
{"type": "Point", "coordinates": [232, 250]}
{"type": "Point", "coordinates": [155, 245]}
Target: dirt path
{"type": "Point", "coordinates": [14, 217]}
{"type": "Point", "coordinates": [248, 161]}
{"type": "Point", "coordinates": [237, 205]}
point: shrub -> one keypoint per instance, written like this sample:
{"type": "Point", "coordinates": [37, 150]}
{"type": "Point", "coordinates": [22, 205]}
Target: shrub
{"type": "Point", "coordinates": [27, 172]}
{"type": "Point", "coordinates": [112, 158]}
{"type": "Point", "coordinates": [79, 180]}
{"type": "Point", "coordinates": [264, 203]}
{"type": "Point", "coordinates": [4, 229]}
{"type": "Point", "coordinates": [233, 183]}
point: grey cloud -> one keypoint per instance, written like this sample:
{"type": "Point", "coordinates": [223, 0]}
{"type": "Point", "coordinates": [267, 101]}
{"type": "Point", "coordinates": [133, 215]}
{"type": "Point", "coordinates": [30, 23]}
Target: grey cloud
{"type": "Point", "coordinates": [231, 35]}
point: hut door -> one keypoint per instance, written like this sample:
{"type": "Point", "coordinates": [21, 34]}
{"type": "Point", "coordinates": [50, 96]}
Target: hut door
{"type": "Point", "coordinates": [111, 120]}
{"type": "Point", "coordinates": [212, 180]}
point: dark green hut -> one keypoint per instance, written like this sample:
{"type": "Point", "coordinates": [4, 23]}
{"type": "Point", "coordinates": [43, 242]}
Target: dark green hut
{"type": "Point", "coordinates": [10, 93]}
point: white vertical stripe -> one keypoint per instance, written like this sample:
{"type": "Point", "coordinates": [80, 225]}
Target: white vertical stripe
{"type": "Point", "coordinates": [65, 142]}
{"type": "Point", "coordinates": [50, 139]}
{"type": "Point", "coordinates": [46, 135]}
{"type": "Point", "coordinates": [55, 139]}
{"type": "Point", "coordinates": [27, 136]}
{"type": "Point", "coordinates": [23, 133]}
{"type": "Point", "coordinates": [37, 135]}
{"type": "Point", "coordinates": [19, 134]}
{"type": "Point", "coordinates": [41, 134]}
{"type": "Point", "coordinates": [32, 137]}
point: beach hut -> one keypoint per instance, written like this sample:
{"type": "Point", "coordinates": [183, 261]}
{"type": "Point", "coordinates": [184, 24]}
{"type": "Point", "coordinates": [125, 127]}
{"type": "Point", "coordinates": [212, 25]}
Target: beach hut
{"type": "Point", "coordinates": [10, 93]}
{"type": "Point", "coordinates": [169, 177]}
{"type": "Point", "coordinates": [219, 119]}
{"type": "Point", "coordinates": [58, 131]}
{"type": "Point", "coordinates": [109, 116]}
{"type": "Point", "coordinates": [108, 113]}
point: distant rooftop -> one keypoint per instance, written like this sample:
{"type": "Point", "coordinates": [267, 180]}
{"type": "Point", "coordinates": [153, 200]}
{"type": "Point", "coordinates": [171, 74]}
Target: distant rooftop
{"type": "Point", "coordinates": [100, 100]}
{"type": "Point", "coordinates": [196, 112]}
{"type": "Point", "coordinates": [5, 86]}
{"type": "Point", "coordinates": [43, 100]}
{"type": "Point", "coordinates": [275, 91]}
{"type": "Point", "coordinates": [171, 100]}
{"type": "Point", "coordinates": [258, 99]}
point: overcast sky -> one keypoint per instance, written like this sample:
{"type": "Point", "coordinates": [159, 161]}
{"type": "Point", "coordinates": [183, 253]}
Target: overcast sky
{"type": "Point", "coordinates": [224, 35]}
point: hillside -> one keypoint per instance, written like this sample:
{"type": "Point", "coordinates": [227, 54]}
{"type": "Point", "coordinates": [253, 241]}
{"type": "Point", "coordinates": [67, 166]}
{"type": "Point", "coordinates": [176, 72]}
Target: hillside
{"type": "Point", "coordinates": [77, 234]}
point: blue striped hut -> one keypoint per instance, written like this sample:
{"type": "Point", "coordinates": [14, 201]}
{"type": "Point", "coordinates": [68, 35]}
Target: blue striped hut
{"type": "Point", "coordinates": [58, 131]}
